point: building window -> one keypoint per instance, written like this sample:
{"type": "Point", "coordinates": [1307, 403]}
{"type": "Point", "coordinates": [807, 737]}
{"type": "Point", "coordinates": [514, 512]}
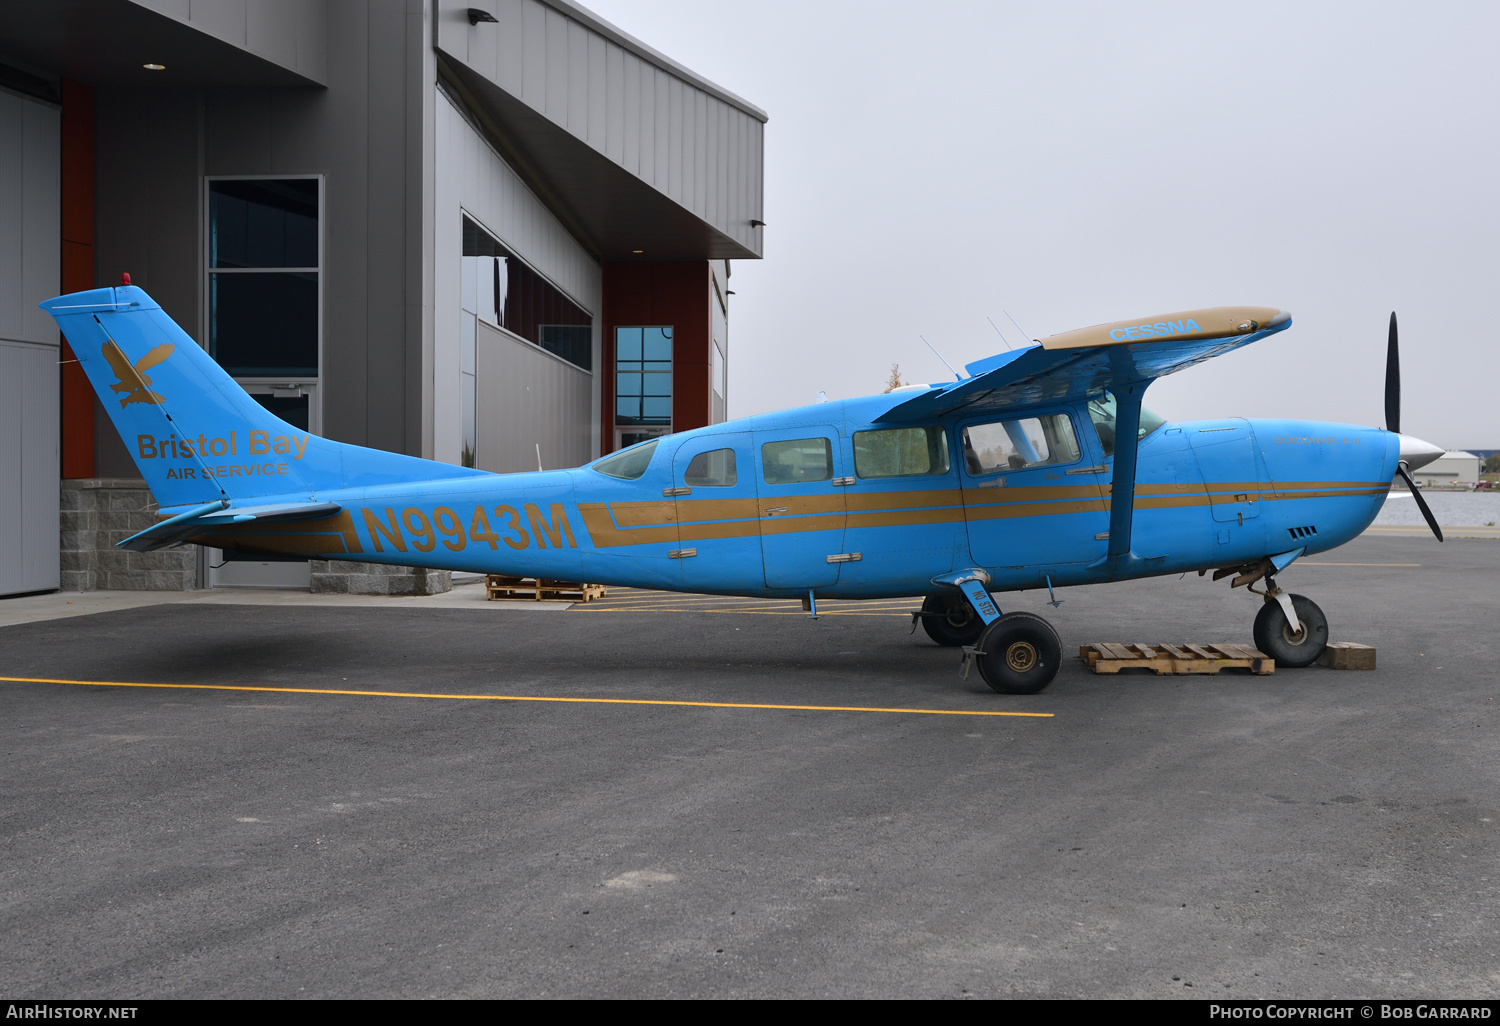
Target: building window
{"type": "Point", "coordinates": [263, 276]}
{"type": "Point", "coordinates": [501, 290]}
{"type": "Point", "coordinates": [643, 376]}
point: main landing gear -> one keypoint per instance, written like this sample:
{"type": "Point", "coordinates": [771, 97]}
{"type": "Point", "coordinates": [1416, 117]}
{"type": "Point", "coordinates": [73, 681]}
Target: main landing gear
{"type": "Point", "coordinates": [949, 620]}
{"type": "Point", "coordinates": [1017, 653]}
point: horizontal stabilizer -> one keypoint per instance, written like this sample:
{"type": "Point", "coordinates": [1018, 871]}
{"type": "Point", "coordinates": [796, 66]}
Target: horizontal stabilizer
{"type": "Point", "coordinates": [210, 517]}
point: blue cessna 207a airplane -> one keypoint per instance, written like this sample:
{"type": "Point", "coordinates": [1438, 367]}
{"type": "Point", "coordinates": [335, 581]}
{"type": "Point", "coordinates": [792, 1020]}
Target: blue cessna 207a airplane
{"type": "Point", "coordinates": [1039, 469]}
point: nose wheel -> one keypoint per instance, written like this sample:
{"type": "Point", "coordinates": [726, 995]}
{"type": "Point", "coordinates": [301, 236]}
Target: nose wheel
{"type": "Point", "coordinates": [1275, 636]}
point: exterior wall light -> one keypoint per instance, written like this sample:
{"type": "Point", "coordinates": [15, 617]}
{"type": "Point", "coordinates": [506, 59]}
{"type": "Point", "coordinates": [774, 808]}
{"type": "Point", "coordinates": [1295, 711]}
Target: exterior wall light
{"type": "Point", "coordinates": [476, 16]}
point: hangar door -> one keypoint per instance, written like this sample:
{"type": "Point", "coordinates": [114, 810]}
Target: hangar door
{"type": "Point", "coordinates": [30, 254]}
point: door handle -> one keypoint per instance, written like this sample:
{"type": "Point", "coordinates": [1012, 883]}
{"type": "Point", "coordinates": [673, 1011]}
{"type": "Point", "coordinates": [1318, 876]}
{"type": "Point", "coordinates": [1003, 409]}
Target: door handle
{"type": "Point", "coordinates": [669, 492]}
{"type": "Point", "coordinates": [776, 509]}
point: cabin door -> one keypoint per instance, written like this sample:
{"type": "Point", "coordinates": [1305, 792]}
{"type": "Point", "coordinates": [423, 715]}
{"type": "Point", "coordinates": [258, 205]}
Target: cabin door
{"type": "Point", "coordinates": [1029, 497]}
{"type": "Point", "coordinates": [718, 533]}
{"type": "Point", "coordinates": [801, 480]}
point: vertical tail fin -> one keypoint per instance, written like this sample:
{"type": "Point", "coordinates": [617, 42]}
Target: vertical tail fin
{"type": "Point", "coordinates": [195, 434]}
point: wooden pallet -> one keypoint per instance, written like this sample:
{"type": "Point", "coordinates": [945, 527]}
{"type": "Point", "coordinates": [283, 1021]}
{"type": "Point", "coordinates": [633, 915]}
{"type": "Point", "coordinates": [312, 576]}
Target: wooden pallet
{"type": "Point", "coordinates": [531, 589]}
{"type": "Point", "coordinates": [1170, 659]}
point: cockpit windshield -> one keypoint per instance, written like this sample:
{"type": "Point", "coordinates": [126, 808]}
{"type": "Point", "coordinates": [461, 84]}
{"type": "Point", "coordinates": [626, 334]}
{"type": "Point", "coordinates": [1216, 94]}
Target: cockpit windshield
{"type": "Point", "coordinates": [1102, 413]}
{"type": "Point", "coordinates": [628, 464]}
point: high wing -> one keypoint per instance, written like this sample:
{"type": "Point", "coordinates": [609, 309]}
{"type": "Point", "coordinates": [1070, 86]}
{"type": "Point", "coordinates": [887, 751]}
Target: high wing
{"type": "Point", "coordinates": [1123, 357]}
{"type": "Point", "coordinates": [1090, 360]}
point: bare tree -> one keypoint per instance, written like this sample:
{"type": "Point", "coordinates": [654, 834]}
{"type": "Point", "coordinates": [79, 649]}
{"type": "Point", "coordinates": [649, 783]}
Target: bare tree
{"type": "Point", "coordinates": [894, 382]}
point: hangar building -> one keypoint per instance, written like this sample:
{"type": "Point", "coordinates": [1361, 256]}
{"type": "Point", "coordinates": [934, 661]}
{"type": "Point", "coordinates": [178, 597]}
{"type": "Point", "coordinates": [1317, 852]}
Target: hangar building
{"type": "Point", "coordinates": [497, 232]}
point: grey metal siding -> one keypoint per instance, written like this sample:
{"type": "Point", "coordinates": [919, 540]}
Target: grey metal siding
{"type": "Point", "coordinates": [30, 254]}
{"type": "Point", "coordinates": [528, 397]}
{"type": "Point", "coordinates": [30, 237]}
{"type": "Point", "coordinates": [28, 468]}
{"type": "Point", "coordinates": [290, 33]}
{"type": "Point", "coordinates": [670, 132]}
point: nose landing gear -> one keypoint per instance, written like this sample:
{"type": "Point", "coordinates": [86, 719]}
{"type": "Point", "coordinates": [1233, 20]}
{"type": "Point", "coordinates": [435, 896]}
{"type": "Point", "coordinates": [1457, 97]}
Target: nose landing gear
{"type": "Point", "coordinates": [1275, 634]}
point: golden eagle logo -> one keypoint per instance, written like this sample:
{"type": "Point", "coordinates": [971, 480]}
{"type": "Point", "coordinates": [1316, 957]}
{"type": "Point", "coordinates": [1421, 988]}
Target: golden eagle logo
{"type": "Point", "coordinates": [134, 383]}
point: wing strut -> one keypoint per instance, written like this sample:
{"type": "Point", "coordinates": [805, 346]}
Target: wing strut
{"type": "Point", "coordinates": [1118, 557]}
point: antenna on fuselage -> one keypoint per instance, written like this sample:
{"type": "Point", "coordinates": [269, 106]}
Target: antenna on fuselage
{"type": "Point", "coordinates": [1022, 330]}
{"type": "Point", "coordinates": [998, 331]}
{"type": "Point", "coordinates": [956, 375]}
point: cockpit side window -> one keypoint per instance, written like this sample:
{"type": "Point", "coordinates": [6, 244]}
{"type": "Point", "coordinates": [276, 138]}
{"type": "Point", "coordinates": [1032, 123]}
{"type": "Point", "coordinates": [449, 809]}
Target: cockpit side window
{"type": "Point", "coordinates": [1102, 413]}
{"type": "Point", "coordinates": [1020, 443]}
{"type": "Point", "coordinates": [713, 469]}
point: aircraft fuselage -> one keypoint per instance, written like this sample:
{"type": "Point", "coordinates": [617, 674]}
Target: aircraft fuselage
{"type": "Point", "coordinates": [818, 499]}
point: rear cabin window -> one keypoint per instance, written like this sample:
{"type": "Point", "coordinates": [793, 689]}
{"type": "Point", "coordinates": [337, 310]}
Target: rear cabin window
{"type": "Point", "coordinates": [711, 470]}
{"type": "Point", "coordinates": [628, 464]}
{"type": "Point", "coordinates": [1018, 444]}
{"type": "Point", "coordinates": [901, 452]}
{"type": "Point", "coordinates": [798, 461]}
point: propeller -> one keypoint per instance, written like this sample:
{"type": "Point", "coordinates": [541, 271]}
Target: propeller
{"type": "Point", "coordinates": [1393, 425]}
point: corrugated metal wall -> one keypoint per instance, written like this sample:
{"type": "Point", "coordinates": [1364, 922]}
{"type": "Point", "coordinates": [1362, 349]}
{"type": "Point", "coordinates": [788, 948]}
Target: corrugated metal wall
{"type": "Point", "coordinates": [528, 397]}
{"type": "Point", "coordinates": [472, 179]}
{"type": "Point", "coordinates": [688, 143]}
{"type": "Point", "coordinates": [30, 256]}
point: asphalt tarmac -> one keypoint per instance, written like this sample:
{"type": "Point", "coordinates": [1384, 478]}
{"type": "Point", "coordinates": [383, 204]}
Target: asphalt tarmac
{"type": "Point", "coordinates": [1314, 833]}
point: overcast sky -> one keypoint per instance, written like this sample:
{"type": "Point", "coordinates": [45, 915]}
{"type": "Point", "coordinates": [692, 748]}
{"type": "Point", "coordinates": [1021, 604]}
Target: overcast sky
{"type": "Point", "coordinates": [932, 164]}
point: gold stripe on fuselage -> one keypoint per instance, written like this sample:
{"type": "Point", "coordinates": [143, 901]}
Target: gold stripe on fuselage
{"type": "Point", "coordinates": [610, 525]}
{"type": "Point", "coordinates": [656, 521]}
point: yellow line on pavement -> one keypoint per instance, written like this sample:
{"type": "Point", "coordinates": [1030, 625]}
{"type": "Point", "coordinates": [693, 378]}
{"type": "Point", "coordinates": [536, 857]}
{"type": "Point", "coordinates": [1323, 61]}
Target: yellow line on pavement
{"type": "Point", "coordinates": [1310, 562]}
{"type": "Point", "coordinates": [524, 698]}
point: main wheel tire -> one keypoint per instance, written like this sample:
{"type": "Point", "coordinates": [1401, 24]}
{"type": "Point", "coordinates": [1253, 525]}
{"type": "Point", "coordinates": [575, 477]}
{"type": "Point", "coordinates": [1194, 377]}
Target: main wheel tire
{"type": "Point", "coordinates": [1019, 654]}
{"type": "Point", "coordinates": [1274, 637]}
{"type": "Point", "coordinates": [951, 620]}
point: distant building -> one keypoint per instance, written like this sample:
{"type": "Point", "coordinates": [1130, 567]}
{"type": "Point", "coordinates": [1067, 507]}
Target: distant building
{"type": "Point", "coordinates": [1455, 468]}
{"type": "Point", "coordinates": [490, 232]}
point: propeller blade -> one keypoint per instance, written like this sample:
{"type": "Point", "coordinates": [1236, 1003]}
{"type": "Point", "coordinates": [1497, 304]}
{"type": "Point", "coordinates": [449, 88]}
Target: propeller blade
{"type": "Point", "coordinates": [1392, 381]}
{"type": "Point", "coordinates": [1416, 493]}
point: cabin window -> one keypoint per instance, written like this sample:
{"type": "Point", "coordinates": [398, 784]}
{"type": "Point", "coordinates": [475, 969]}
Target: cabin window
{"type": "Point", "coordinates": [1020, 443]}
{"type": "Point", "coordinates": [901, 452]}
{"type": "Point", "coordinates": [628, 464]}
{"type": "Point", "coordinates": [797, 461]}
{"type": "Point", "coordinates": [1102, 413]}
{"type": "Point", "coordinates": [711, 470]}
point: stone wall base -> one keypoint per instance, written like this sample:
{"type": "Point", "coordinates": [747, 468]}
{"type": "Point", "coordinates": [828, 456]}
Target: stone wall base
{"type": "Point", "coordinates": [97, 513]}
{"type": "Point", "coordinates": [343, 577]}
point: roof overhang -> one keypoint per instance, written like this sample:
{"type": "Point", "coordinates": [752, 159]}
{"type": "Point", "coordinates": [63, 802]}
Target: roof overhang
{"type": "Point", "coordinates": [641, 158]}
{"type": "Point", "coordinates": [108, 42]}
